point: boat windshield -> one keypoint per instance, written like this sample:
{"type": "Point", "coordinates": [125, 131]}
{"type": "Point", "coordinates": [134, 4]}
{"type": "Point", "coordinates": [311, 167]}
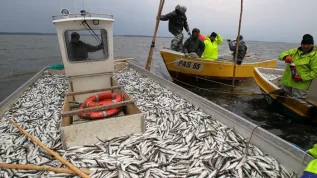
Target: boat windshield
{"type": "Point", "coordinates": [83, 45]}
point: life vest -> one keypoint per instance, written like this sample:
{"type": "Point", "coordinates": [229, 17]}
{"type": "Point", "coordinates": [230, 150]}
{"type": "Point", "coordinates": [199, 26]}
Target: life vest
{"type": "Point", "coordinates": [99, 100]}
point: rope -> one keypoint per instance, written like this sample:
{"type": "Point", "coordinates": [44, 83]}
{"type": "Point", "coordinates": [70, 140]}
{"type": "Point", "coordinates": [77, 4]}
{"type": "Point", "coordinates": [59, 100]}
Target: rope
{"type": "Point", "coordinates": [236, 93]}
{"type": "Point", "coordinates": [248, 92]}
{"type": "Point", "coordinates": [209, 89]}
{"type": "Point", "coordinates": [247, 146]}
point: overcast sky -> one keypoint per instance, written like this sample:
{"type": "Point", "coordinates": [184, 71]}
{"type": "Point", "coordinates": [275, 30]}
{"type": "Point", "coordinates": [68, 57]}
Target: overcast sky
{"type": "Point", "coordinates": [263, 20]}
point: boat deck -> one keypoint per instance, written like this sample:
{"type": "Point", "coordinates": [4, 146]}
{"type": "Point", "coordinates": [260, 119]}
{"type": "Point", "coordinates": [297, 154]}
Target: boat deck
{"type": "Point", "coordinates": [180, 136]}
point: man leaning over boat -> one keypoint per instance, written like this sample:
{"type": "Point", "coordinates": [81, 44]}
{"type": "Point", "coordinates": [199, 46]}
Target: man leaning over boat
{"type": "Point", "coordinates": [242, 49]}
{"type": "Point", "coordinates": [301, 68]}
{"type": "Point", "coordinates": [194, 46]}
{"type": "Point", "coordinates": [177, 20]}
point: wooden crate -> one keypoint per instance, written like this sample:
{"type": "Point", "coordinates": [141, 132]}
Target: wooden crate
{"type": "Point", "coordinates": [76, 131]}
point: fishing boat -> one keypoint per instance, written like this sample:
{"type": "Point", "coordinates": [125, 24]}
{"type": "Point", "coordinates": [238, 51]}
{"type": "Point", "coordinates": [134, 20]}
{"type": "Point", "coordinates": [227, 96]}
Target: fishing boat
{"type": "Point", "coordinates": [268, 80]}
{"type": "Point", "coordinates": [185, 68]}
{"type": "Point", "coordinates": [172, 115]}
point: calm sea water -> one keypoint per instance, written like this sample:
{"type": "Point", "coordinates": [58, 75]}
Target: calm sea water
{"type": "Point", "coordinates": [21, 56]}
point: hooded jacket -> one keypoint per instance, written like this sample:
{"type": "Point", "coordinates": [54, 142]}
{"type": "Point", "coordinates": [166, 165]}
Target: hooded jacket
{"type": "Point", "coordinates": [194, 45]}
{"type": "Point", "coordinates": [306, 67]}
{"type": "Point", "coordinates": [177, 20]}
{"type": "Point", "coordinates": [211, 48]}
{"type": "Point", "coordinates": [242, 49]}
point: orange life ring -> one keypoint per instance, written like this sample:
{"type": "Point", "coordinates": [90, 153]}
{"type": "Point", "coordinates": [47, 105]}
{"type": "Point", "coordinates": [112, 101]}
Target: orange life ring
{"type": "Point", "coordinates": [99, 100]}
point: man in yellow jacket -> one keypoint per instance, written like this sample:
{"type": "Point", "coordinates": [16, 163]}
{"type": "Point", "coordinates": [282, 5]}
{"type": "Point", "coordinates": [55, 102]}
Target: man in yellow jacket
{"type": "Point", "coordinates": [311, 169]}
{"type": "Point", "coordinates": [211, 46]}
{"type": "Point", "coordinates": [301, 68]}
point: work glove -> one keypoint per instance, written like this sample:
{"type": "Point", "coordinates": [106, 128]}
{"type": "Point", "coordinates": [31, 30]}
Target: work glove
{"type": "Point", "coordinates": [298, 78]}
{"type": "Point", "coordinates": [100, 45]}
{"type": "Point", "coordinates": [313, 151]}
{"type": "Point", "coordinates": [189, 34]}
{"type": "Point", "coordinates": [186, 54]}
{"type": "Point", "coordinates": [288, 59]}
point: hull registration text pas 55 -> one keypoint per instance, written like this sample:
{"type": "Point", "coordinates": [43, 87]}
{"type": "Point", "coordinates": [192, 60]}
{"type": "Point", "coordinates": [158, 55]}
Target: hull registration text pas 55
{"type": "Point", "coordinates": [187, 64]}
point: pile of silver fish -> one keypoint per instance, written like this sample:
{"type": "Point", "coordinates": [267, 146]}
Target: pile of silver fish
{"type": "Point", "coordinates": [36, 111]}
{"type": "Point", "coordinates": [180, 140]}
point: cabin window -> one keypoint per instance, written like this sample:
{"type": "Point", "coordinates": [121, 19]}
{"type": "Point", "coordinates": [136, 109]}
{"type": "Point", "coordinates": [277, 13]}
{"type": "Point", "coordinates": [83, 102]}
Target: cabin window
{"type": "Point", "coordinates": [84, 45]}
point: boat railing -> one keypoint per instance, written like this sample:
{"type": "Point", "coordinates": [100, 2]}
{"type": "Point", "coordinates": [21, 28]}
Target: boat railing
{"type": "Point", "coordinates": [58, 17]}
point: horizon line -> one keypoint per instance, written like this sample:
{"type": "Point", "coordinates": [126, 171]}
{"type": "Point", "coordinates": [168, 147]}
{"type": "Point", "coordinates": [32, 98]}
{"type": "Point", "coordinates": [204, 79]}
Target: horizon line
{"type": "Point", "coordinates": [47, 33]}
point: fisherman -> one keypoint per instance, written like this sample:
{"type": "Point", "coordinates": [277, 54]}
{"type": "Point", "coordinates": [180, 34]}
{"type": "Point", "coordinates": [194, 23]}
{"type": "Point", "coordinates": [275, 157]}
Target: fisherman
{"type": "Point", "coordinates": [78, 50]}
{"type": "Point", "coordinates": [301, 68]}
{"type": "Point", "coordinates": [211, 46]}
{"type": "Point", "coordinates": [193, 46]}
{"type": "Point", "coordinates": [311, 169]}
{"type": "Point", "coordinates": [177, 20]}
{"type": "Point", "coordinates": [201, 36]}
{"type": "Point", "coordinates": [242, 49]}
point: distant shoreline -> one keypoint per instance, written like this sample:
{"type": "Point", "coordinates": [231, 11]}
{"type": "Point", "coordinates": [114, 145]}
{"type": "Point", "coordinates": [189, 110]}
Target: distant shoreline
{"type": "Point", "coordinates": [139, 36]}
{"type": "Point", "coordinates": [52, 34]}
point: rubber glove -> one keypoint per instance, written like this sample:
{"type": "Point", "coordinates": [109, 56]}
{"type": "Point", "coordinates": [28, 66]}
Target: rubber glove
{"type": "Point", "coordinates": [298, 78]}
{"type": "Point", "coordinates": [288, 59]}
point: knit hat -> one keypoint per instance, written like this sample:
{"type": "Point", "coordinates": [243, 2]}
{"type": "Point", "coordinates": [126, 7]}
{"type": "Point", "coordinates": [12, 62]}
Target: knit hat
{"type": "Point", "coordinates": [74, 35]}
{"type": "Point", "coordinates": [213, 34]}
{"type": "Point", "coordinates": [307, 39]}
{"type": "Point", "coordinates": [196, 30]}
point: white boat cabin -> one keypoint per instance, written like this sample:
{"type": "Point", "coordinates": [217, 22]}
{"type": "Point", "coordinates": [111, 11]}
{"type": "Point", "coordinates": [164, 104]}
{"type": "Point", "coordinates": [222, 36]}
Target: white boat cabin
{"type": "Point", "coordinates": [86, 44]}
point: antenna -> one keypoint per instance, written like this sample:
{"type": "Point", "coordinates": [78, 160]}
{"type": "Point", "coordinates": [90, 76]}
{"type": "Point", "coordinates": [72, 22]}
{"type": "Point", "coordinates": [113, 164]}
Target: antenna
{"type": "Point", "coordinates": [89, 5]}
{"type": "Point", "coordinates": [83, 4]}
{"type": "Point", "coordinates": [74, 7]}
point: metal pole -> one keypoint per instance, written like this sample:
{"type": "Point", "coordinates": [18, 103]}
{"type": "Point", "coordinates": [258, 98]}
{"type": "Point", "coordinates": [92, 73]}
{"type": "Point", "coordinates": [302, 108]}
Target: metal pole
{"type": "Point", "coordinates": [237, 47]}
{"type": "Point", "coordinates": [74, 7]}
{"type": "Point", "coordinates": [149, 59]}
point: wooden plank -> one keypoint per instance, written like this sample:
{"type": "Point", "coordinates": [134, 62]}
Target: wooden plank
{"type": "Point", "coordinates": [98, 108]}
{"type": "Point", "coordinates": [91, 91]}
{"type": "Point", "coordinates": [123, 60]}
{"type": "Point", "coordinates": [51, 152]}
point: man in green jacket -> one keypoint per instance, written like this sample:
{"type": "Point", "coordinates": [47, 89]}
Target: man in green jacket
{"type": "Point", "coordinates": [311, 169]}
{"type": "Point", "coordinates": [296, 82]}
{"type": "Point", "coordinates": [211, 46]}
